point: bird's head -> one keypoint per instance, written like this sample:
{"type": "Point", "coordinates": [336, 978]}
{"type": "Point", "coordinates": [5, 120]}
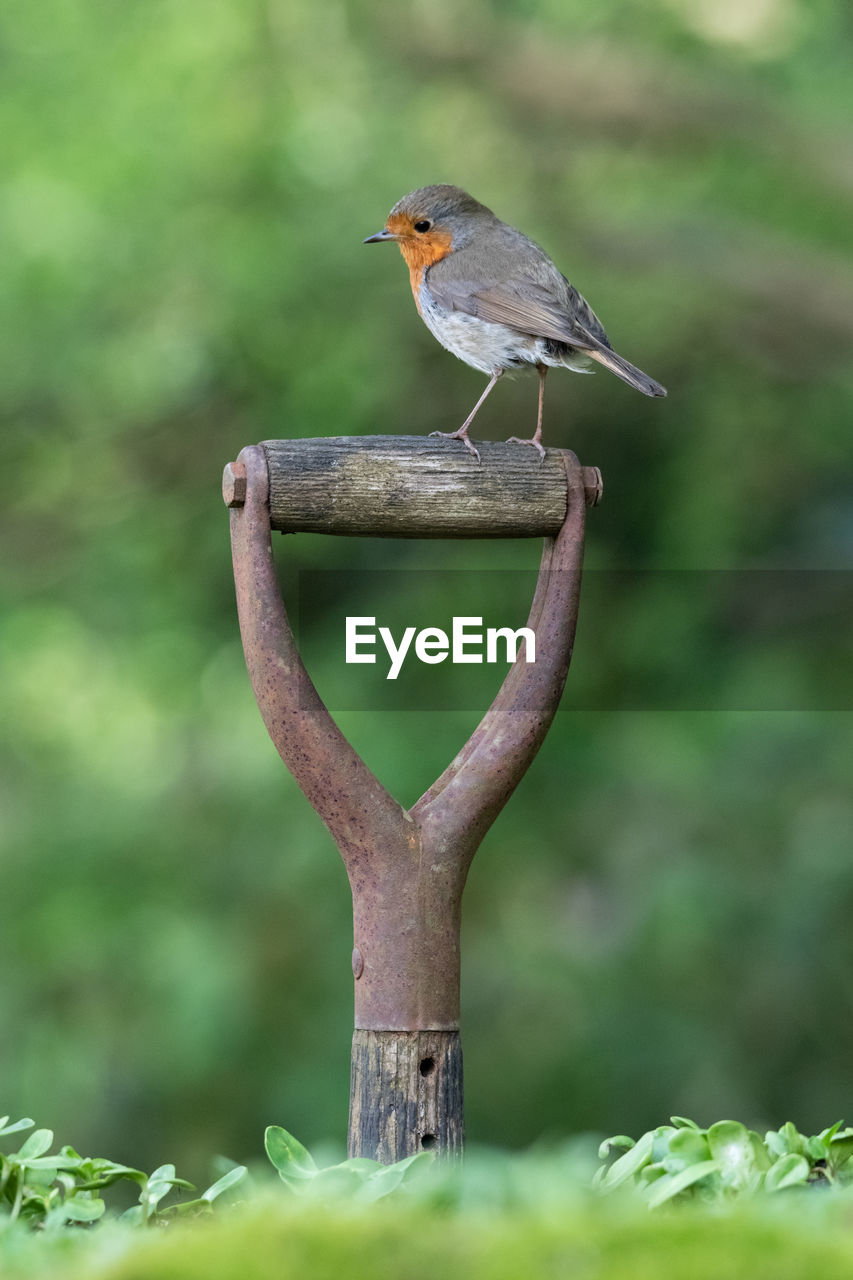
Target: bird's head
{"type": "Point", "coordinates": [431, 222]}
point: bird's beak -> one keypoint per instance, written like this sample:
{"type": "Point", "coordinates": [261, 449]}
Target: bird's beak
{"type": "Point", "coordinates": [384, 234]}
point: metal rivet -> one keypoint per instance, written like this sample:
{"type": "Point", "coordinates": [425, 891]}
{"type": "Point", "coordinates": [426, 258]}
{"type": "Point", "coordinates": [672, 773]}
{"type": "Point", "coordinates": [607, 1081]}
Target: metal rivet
{"type": "Point", "coordinates": [357, 963]}
{"type": "Point", "coordinates": [234, 484]}
{"type": "Point", "coordinates": [593, 485]}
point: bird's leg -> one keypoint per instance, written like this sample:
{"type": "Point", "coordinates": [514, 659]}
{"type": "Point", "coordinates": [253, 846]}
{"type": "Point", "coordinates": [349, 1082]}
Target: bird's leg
{"type": "Point", "coordinates": [462, 433]}
{"type": "Point", "coordinates": [536, 441]}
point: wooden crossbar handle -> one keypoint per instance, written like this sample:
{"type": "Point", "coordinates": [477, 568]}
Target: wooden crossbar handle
{"type": "Point", "coordinates": [414, 487]}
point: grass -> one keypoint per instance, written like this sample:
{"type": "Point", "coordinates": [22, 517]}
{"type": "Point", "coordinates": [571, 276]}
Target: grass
{"type": "Point", "coordinates": [591, 1239]}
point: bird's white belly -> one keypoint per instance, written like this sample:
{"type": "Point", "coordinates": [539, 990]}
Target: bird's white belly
{"type": "Point", "coordinates": [488, 346]}
{"type": "Point", "coordinates": [480, 343]}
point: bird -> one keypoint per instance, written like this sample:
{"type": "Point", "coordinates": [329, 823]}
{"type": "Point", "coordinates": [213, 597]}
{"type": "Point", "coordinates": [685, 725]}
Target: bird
{"type": "Point", "coordinates": [494, 298]}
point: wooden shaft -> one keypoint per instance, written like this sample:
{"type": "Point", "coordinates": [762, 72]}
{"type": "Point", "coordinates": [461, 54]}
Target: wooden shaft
{"type": "Point", "coordinates": [417, 487]}
{"type": "Point", "coordinates": [405, 1094]}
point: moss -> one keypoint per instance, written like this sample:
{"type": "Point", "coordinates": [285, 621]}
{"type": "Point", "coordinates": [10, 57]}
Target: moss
{"type": "Point", "coordinates": [592, 1240]}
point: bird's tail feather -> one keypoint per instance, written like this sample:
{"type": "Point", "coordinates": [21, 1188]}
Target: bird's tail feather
{"type": "Point", "coordinates": [627, 372]}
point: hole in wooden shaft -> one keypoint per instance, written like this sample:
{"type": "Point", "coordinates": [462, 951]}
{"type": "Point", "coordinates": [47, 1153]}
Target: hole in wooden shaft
{"type": "Point", "coordinates": [428, 1140]}
{"type": "Point", "coordinates": [427, 1066]}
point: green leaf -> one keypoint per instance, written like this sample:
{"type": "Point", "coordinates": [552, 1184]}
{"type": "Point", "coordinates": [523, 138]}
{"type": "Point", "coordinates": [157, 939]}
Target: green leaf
{"type": "Point", "coordinates": [681, 1122]}
{"type": "Point", "coordinates": [204, 1203]}
{"type": "Point", "coordinates": [76, 1209]}
{"type": "Point", "coordinates": [740, 1153]}
{"type": "Point", "coordinates": [662, 1137]}
{"type": "Point", "coordinates": [788, 1140]}
{"type": "Point", "coordinates": [288, 1154]}
{"type": "Point", "coordinates": [161, 1182]}
{"type": "Point", "coordinates": [36, 1145]}
{"type": "Point", "coordinates": [687, 1146]}
{"type": "Point", "coordinates": [362, 1165]}
{"type": "Point", "coordinates": [229, 1179]}
{"type": "Point", "coordinates": [389, 1177]}
{"type": "Point", "coordinates": [674, 1183]}
{"type": "Point", "coordinates": [37, 1179]}
{"type": "Point", "coordinates": [792, 1136]}
{"type": "Point", "coordinates": [629, 1164]}
{"type": "Point", "coordinates": [49, 1162]}
{"type": "Point", "coordinates": [776, 1143]}
{"type": "Point", "coordinates": [620, 1140]}
{"type": "Point", "coordinates": [789, 1171]}
{"type": "Point", "coordinates": [103, 1173]}
{"type": "Point", "coordinates": [151, 1196]}
{"type": "Point", "coordinates": [185, 1209]}
{"type": "Point", "coordinates": [840, 1149]}
{"type": "Point", "coordinates": [5, 1127]}
{"type": "Point", "coordinates": [166, 1173]}
{"type": "Point", "coordinates": [816, 1148]}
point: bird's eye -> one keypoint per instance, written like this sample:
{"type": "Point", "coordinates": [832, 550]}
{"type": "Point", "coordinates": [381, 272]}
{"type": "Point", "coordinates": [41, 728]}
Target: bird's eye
{"type": "Point", "coordinates": [423, 225]}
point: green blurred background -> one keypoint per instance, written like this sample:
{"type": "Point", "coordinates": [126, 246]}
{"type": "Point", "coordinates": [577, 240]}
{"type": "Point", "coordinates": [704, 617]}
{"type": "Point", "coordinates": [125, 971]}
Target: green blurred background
{"type": "Point", "coordinates": [660, 920]}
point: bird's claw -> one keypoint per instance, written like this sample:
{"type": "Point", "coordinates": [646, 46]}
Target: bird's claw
{"type": "Point", "coordinates": [458, 435]}
{"type": "Point", "coordinates": [535, 443]}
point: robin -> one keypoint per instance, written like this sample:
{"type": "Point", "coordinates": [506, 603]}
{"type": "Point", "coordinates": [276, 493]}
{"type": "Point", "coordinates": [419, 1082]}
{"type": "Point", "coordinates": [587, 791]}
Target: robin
{"type": "Point", "coordinates": [495, 299]}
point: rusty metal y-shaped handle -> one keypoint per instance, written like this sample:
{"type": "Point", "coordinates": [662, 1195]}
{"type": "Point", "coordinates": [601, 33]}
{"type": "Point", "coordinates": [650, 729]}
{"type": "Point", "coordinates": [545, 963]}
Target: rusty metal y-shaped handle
{"type": "Point", "coordinates": [407, 868]}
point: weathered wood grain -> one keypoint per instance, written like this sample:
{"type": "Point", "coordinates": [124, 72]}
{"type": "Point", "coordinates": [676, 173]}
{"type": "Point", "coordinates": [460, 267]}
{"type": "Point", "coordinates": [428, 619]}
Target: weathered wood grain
{"type": "Point", "coordinates": [417, 487]}
{"type": "Point", "coordinates": [405, 1094]}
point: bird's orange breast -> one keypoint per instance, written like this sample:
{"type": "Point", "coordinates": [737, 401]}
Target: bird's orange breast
{"type": "Point", "coordinates": [420, 250]}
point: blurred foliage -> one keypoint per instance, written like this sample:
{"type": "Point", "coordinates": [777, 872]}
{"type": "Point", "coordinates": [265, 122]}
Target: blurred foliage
{"type": "Point", "coordinates": [496, 1214]}
{"type": "Point", "coordinates": [525, 1215]}
{"type": "Point", "coordinates": [660, 919]}
{"type": "Point", "coordinates": [46, 1190]}
{"type": "Point", "coordinates": [679, 1162]}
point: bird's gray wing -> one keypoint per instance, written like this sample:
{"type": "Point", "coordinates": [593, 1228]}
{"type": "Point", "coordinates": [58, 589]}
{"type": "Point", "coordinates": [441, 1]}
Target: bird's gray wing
{"type": "Point", "coordinates": [525, 305]}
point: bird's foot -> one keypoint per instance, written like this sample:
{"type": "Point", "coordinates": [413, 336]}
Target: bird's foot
{"type": "Point", "coordinates": [461, 434]}
{"type": "Point", "coordinates": [537, 445]}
